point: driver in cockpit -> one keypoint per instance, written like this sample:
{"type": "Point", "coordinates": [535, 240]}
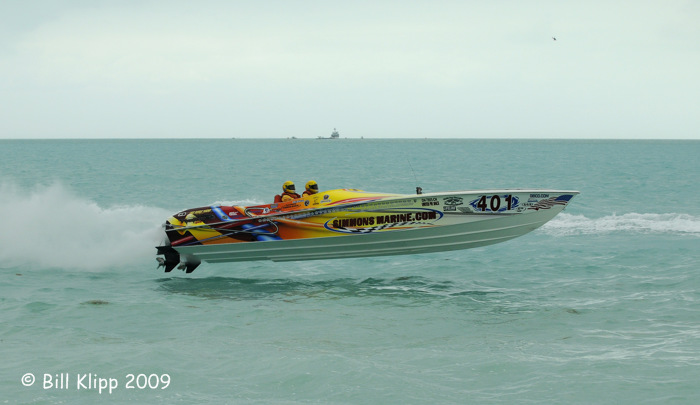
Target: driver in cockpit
{"type": "Point", "coordinates": [288, 193]}
{"type": "Point", "coordinates": [311, 188]}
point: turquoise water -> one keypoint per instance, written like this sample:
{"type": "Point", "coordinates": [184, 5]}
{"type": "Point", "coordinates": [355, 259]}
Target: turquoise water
{"type": "Point", "coordinates": [602, 305]}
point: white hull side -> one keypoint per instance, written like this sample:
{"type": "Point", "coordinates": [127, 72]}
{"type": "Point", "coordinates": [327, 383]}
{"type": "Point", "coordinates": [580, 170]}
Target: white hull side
{"type": "Point", "coordinates": [482, 230]}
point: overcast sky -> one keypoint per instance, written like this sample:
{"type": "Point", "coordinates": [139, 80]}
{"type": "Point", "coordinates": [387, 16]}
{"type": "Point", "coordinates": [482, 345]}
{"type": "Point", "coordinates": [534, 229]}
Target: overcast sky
{"type": "Point", "coordinates": [276, 69]}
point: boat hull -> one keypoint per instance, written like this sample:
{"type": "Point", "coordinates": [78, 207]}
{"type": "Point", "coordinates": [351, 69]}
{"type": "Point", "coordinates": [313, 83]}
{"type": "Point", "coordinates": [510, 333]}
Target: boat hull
{"type": "Point", "coordinates": [366, 224]}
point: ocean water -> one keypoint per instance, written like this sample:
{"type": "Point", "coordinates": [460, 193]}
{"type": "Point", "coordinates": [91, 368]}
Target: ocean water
{"type": "Point", "coordinates": [601, 305]}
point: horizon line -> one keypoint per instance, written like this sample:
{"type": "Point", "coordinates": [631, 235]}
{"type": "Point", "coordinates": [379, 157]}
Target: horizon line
{"type": "Point", "coordinates": [352, 138]}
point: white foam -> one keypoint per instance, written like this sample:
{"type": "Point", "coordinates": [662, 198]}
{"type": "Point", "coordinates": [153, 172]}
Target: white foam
{"type": "Point", "coordinates": [50, 226]}
{"type": "Point", "coordinates": [567, 224]}
{"type": "Point", "coordinates": [243, 203]}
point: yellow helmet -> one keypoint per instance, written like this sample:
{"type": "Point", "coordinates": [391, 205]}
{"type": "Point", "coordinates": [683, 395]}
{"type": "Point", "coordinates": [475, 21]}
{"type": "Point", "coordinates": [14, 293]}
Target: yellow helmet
{"type": "Point", "coordinates": [311, 186]}
{"type": "Point", "coordinates": [288, 187]}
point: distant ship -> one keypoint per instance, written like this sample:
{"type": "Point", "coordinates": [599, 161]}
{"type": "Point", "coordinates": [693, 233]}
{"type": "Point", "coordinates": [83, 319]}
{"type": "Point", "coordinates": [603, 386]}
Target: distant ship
{"type": "Point", "coordinates": [334, 135]}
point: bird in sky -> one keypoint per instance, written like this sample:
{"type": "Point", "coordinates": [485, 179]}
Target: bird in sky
{"type": "Point", "coordinates": [554, 38]}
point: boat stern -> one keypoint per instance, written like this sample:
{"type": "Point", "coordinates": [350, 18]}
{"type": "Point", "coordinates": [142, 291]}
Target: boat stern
{"type": "Point", "coordinates": [169, 258]}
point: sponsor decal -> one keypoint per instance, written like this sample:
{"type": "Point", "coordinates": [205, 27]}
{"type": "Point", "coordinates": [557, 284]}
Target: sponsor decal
{"type": "Point", "coordinates": [197, 215]}
{"type": "Point", "coordinates": [292, 205]}
{"type": "Point", "coordinates": [447, 208]}
{"type": "Point", "coordinates": [454, 201]}
{"type": "Point", "coordinates": [550, 202]}
{"type": "Point", "coordinates": [427, 202]}
{"type": "Point", "coordinates": [199, 212]}
{"type": "Point", "coordinates": [374, 223]}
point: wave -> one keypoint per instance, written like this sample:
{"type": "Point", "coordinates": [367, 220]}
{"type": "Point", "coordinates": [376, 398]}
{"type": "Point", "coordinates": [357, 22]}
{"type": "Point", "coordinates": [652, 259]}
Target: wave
{"type": "Point", "coordinates": [50, 226]}
{"type": "Point", "coordinates": [568, 224]}
{"type": "Point", "coordinates": [245, 203]}
{"type": "Point", "coordinates": [414, 288]}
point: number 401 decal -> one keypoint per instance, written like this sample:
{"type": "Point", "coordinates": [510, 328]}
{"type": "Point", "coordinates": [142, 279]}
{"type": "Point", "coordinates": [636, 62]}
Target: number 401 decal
{"type": "Point", "coordinates": [494, 203]}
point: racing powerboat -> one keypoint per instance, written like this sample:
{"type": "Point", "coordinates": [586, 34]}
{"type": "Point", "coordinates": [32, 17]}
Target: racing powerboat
{"type": "Point", "coordinates": [354, 223]}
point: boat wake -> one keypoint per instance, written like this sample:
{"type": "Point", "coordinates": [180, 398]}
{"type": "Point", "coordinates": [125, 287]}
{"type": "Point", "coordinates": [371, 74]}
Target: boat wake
{"type": "Point", "coordinates": [51, 227]}
{"type": "Point", "coordinates": [568, 224]}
